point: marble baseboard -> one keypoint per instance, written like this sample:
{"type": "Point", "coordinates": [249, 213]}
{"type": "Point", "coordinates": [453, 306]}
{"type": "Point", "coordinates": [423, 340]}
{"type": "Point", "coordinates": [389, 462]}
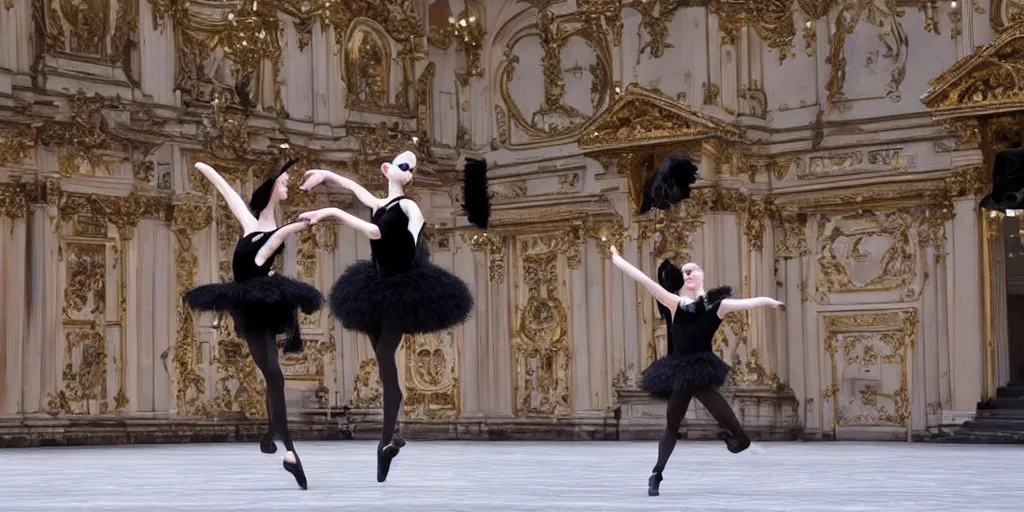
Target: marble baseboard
{"type": "Point", "coordinates": [16, 432]}
{"type": "Point", "coordinates": [766, 415]}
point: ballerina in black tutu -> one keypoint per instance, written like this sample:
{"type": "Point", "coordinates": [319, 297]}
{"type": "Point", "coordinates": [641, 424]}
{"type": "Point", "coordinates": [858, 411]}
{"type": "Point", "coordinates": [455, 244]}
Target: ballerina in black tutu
{"type": "Point", "coordinates": [690, 369]}
{"type": "Point", "coordinates": [399, 291]}
{"type": "Point", "coordinates": [261, 303]}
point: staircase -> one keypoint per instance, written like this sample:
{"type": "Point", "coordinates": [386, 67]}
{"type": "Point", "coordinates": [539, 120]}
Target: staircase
{"type": "Point", "coordinates": [998, 420]}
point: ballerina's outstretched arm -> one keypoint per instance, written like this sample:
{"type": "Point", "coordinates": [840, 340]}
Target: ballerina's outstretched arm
{"type": "Point", "coordinates": [367, 228]}
{"type": "Point", "coordinates": [315, 177]}
{"type": "Point", "coordinates": [730, 305]}
{"type": "Point", "coordinates": [663, 296]}
{"type": "Point", "coordinates": [235, 203]}
{"type": "Point", "coordinates": [277, 239]}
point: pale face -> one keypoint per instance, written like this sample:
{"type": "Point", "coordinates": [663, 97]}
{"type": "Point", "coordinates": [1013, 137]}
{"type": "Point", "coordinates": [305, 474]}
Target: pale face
{"type": "Point", "coordinates": [400, 169]}
{"type": "Point", "coordinates": [693, 277]}
{"type": "Point", "coordinates": [280, 188]}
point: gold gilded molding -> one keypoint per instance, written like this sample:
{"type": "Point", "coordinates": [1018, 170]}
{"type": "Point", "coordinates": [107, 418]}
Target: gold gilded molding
{"type": "Point", "coordinates": [366, 389]}
{"type": "Point", "coordinates": [431, 376]}
{"type": "Point", "coordinates": [494, 245]}
{"type": "Point", "coordinates": [540, 334]}
{"type": "Point", "coordinates": [791, 240]}
{"type": "Point", "coordinates": [983, 83]}
{"type": "Point", "coordinates": [771, 19]}
{"type": "Point", "coordinates": [16, 197]}
{"type": "Point", "coordinates": [187, 384]}
{"type": "Point", "coordinates": [654, 19]}
{"type": "Point", "coordinates": [556, 118]}
{"type": "Point", "coordinates": [816, 9]}
{"type": "Point", "coordinates": [83, 137]}
{"type": "Point", "coordinates": [1003, 13]}
{"type": "Point", "coordinates": [17, 145]}
{"type": "Point", "coordinates": [665, 121]}
{"type": "Point", "coordinates": [673, 230]}
{"type": "Point", "coordinates": [84, 385]}
{"type": "Point", "coordinates": [732, 344]}
{"type": "Point", "coordinates": [898, 266]}
{"type": "Point", "coordinates": [870, 341]}
{"type": "Point", "coordinates": [239, 386]}
{"type": "Point", "coordinates": [220, 51]}
{"type": "Point", "coordinates": [845, 23]}
{"type": "Point", "coordinates": [367, 66]}
{"type": "Point", "coordinates": [221, 48]}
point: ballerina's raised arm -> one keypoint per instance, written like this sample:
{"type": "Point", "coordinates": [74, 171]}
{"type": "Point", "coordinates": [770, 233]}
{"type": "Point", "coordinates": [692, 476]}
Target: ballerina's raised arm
{"type": "Point", "coordinates": [315, 177]}
{"type": "Point", "coordinates": [259, 213]}
{"type": "Point", "coordinates": [398, 173]}
{"type": "Point", "coordinates": [235, 202]}
{"type": "Point", "coordinates": [663, 296]}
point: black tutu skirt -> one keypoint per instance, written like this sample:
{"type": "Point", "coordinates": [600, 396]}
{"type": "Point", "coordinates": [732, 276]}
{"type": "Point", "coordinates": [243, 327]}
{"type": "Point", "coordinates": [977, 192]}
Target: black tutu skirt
{"type": "Point", "coordinates": [258, 306]}
{"type": "Point", "coordinates": [702, 370]}
{"type": "Point", "coordinates": [425, 299]}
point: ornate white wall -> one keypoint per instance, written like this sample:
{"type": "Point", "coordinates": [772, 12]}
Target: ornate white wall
{"type": "Point", "coordinates": [824, 183]}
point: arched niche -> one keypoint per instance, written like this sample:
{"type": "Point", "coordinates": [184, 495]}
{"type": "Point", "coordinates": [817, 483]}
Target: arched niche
{"type": "Point", "coordinates": [366, 66]}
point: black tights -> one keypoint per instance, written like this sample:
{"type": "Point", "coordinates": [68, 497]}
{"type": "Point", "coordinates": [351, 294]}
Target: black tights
{"type": "Point", "coordinates": [719, 408]}
{"type": "Point", "coordinates": [385, 346]}
{"type": "Point", "coordinates": [264, 354]}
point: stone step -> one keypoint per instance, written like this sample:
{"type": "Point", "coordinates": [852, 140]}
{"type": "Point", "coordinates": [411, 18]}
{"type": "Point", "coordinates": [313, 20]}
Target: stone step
{"type": "Point", "coordinates": [1005, 403]}
{"type": "Point", "coordinates": [1013, 391]}
{"type": "Point", "coordinates": [986, 437]}
{"type": "Point", "coordinates": [994, 425]}
{"type": "Point", "coordinates": [1000, 414]}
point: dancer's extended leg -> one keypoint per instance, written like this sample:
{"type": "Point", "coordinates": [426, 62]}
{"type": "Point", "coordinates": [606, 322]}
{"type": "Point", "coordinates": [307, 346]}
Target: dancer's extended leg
{"type": "Point", "coordinates": [678, 403]}
{"type": "Point", "coordinates": [736, 439]}
{"type": "Point", "coordinates": [259, 356]}
{"type": "Point", "coordinates": [274, 377]}
{"type": "Point", "coordinates": [385, 348]}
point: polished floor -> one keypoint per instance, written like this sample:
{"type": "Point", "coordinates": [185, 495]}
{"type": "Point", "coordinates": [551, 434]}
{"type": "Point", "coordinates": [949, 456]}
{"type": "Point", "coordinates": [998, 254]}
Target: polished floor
{"type": "Point", "coordinates": [518, 476]}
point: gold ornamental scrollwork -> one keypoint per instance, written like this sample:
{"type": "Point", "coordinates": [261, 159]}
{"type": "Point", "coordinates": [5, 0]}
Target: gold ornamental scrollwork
{"type": "Point", "coordinates": [555, 117]}
{"type": "Point", "coordinates": [772, 19]}
{"type": "Point", "coordinates": [366, 389]}
{"type": "Point", "coordinates": [987, 82]}
{"type": "Point", "coordinates": [494, 247]}
{"type": "Point", "coordinates": [83, 137]}
{"type": "Point", "coordinates": [860, 346]}
{"type": "Point", "coordinates": [93, 257]}
{"type": "Point", "coordinates": [637, 148]}
{"type": "Point", "coordinates": [1005, 13]}
{"type": "Point", "coordinates": [94, 30]}
{"type": "Point", "coordinates": [431, 376]}
{"type": "Point", "coordinates": [897, 268]}
{"type": "Point", "coordinates": [844, 24]}
{"type": "Point", "coordinates": [541, 351]}
{"type": "Point", "coordinates": [221, 48]}
{"type": "Point", "coordinates": [16, 145]}
{"type": "Point", "coordinates": [187, 384]}
{"type": "Point", "coordinates": [16, 197]}
{"type": "Point", "coordinates": [673, 230]}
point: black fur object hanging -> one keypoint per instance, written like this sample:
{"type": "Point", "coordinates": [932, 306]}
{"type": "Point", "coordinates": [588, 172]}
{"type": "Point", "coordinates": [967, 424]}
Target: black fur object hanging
{"type": "Point", "coordinates": [670, 184]}
{"type": "Point", "coordinates": [476, 200]}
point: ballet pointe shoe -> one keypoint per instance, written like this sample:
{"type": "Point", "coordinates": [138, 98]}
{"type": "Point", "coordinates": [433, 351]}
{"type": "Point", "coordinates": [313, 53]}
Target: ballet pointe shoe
{"type": "Point", "coordinates": [385, 454]}
{"type": "Point", "coordinates": [653, 483]}
{"type": "Point", "coordinates": [398, 441]}
{"type": "Point", "coordinates": [267, 444]}
{"type": "Point", "coordinates": [295, 468]}
{"type": "Point", "coordinates": [733, 444]}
